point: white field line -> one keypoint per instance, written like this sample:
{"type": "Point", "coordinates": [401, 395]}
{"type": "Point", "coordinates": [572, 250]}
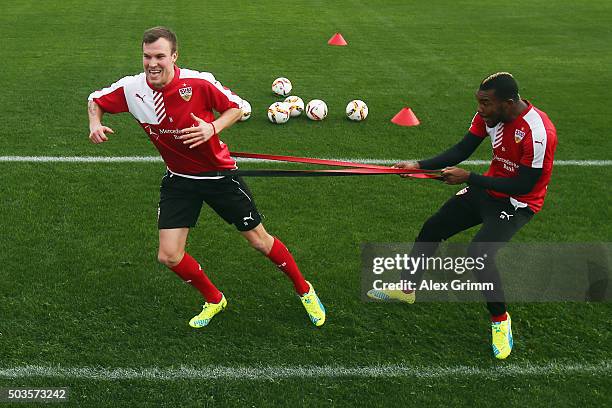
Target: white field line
{"type": "Point", "coordinates": [281, 372]}
{"type": "Point", "coordinates": [147, 159]}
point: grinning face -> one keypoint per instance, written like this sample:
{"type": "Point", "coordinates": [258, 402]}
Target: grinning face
{"type": "Point", "coordinates": [158, 62]}
{"type": "Point", "coordinates": [492, 109]}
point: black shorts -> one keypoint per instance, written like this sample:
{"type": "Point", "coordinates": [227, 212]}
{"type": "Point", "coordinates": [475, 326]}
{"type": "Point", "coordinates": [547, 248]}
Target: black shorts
{"type": "Point", "coordinates": [181, 199]}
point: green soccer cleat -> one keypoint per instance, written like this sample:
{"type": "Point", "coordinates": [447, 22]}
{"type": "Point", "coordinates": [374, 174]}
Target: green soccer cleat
{"type": "Point", "coordinates": [208, 312]}
{"type": "Point", "coordinates": [313, 306]}
{"type": "Point", "coordinates": [389, 295]}
{"type": "Point", "coordinates": [501, 340]}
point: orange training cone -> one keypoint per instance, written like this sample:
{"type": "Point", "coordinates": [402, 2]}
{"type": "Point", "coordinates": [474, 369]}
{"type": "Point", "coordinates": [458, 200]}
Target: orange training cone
{"type": "Point", "coordinates": [337, 39]}
{"type": "Point", "coordinates": [405, 117]}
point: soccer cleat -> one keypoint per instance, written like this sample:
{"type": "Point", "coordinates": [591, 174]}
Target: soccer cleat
{"type": "Point", "coordinates": [208, 312]}
{"type": "Point", "coordinates": [501, 340]}
{"type": "Point", "coordinates": [388, 295]}
{"type": "Point", "coordinates": [313, 306]}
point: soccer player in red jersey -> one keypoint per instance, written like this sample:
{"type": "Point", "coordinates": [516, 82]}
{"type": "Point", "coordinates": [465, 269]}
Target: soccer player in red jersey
{"type": "Point", "coordinates": [175, 107]}
{"type": "Point", "coordinates": [503, 200]}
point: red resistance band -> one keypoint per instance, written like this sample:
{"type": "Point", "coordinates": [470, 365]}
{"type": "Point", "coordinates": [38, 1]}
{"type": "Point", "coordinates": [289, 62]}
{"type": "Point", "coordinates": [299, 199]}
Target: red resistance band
{"type": "Point", "coordinates": [356, 169]}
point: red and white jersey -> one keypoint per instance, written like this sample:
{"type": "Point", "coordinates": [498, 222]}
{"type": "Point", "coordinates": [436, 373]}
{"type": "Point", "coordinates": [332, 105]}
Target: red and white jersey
{"type": "Point", "coordinates": [163, 113]}
{"type": "Point", "coordinates": [530, 140]}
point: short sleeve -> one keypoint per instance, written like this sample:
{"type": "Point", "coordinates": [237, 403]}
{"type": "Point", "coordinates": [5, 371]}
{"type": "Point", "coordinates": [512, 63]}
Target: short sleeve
{"type": "Point", "coordinates": [111, 99]}
{"type": "Point", "coordinates": [222, 98]}
{"type": "Point", "coordinates": [478, 126]}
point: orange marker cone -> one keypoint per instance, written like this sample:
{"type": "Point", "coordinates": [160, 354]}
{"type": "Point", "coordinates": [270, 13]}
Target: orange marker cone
{"type": "Point", "coordinates": [337, 39]}
{"type": "Point", "coordinates": [405, 117]}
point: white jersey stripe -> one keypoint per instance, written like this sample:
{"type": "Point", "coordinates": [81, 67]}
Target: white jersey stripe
{"type": "Point", "coordinates": [538, 137]}
{"type": "Point", "coordinates": [105, 91]}
{"type": "Point", "coordinates": [189, 176]}
{"type": "Point", "coordinates": [499, 136]}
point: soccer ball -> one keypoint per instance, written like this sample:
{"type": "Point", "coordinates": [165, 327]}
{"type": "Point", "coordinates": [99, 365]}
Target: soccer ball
{"type": "Point", "coordinates": [278, 112]}
{"type": "Point", "coordinates": [296, 105]}
{"type": "Point", "coordinates": [281, 86]}
{"type": "Point", "coordinates": [246, 110]}
{"type": "Point", "coordinates": [316, 109]}
{"type": "Point", "coordinates": [357, 110]}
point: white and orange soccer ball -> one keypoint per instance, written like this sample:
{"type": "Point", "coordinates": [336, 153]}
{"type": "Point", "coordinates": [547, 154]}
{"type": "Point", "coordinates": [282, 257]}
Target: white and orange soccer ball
{"type": "Point", "coordinates": [278, 112]}
{"type": "Point", "coordinates": [281, 86]}
{"type": "Point", "coordinates": [246, 110]}
{"type": "Point", "coordinates": [296, 105]}
{"type": "Point", "coordinates": [316, 109]}
{"type": "Point", "coordinates": [357, 110]}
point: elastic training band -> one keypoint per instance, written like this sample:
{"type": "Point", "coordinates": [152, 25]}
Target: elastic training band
{"type": "Point", "coordinates": [320, 173]}
{"type": "Point", "coordinates": [354, 169]}
{"type": "Point", "coordinates": [324, 162]}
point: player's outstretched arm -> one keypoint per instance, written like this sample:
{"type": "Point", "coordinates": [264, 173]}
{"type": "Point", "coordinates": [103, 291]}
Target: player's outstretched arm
{"type": "Point", "coordinates": [408, 165]}
{"type": "Point", "coordinates": [455, 155]}
{"type": "Point", "coordinates": [97, 131]}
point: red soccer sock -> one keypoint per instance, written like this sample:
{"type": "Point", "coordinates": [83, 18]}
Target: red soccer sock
{"type": "Point", "coordinates": [500, 318]}
{"type": "Point", "coordinates": [282, 258]}
{"type": "Point", "coordinates": [191, 272]}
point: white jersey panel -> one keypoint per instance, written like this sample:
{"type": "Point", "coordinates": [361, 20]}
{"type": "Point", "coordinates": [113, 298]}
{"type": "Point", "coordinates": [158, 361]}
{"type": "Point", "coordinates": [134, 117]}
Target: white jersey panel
{"type": "Point", "coordinates": [105, 91]}
{"type": "Point", "coordinates": [538, 137]}
{"type": "Point", "coordinates": [140, 98]}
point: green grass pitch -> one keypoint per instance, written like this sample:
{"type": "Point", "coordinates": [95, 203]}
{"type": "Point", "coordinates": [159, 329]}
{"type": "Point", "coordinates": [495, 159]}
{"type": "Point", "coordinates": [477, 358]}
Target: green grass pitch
{"type": "Point", "coordinates": [79, 282]}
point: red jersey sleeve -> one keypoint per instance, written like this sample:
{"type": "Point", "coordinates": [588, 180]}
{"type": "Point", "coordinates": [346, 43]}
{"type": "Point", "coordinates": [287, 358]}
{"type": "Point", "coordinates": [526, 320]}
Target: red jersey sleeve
{"type": "Point", "coordinates": [478, 126]}
{"type": "Point", "coordinates": [220, 97]}
{"type": "Point", "coordinates": [111, 99]}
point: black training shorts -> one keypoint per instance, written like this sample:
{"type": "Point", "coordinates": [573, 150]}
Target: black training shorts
{"type": "Point", "coordinates": [181, 199]}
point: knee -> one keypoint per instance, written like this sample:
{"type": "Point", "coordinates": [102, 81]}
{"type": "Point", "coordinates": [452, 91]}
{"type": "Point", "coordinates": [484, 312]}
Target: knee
{"type": "Point", "coordinates": [169, 258]}
{"type": "Point", "coordinates": [432, 231]}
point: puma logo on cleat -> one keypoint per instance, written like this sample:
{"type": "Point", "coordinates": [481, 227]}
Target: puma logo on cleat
{"type": "Point", "coordinates": [505, 216]}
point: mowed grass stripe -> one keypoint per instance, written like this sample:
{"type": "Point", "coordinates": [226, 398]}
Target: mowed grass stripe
{"type": "Point", "coordinates": [149, 159]}
{"type": "Point", "coordinates": [281, 372]}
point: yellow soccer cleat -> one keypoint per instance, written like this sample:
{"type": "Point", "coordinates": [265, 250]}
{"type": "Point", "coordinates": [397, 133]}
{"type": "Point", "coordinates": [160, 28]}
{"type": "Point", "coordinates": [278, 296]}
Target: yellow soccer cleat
{"type": "Point", "coordinates": [208, 312]}
{"type": "Point", "coordinates": [389, 295]}
{"type": "Point", "coordinates": [313, 306]}
{"type": "Point", "coordinates": [501, 340]}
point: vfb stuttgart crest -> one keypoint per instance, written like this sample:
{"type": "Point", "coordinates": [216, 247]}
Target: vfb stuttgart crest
{"type": "Point", "coordinates": [518, 135]}
{"type": "Point", "coordinates": [185, 93]}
